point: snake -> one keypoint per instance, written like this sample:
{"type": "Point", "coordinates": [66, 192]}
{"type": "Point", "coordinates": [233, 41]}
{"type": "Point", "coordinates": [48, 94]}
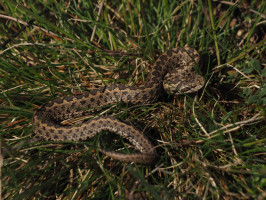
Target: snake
{"type": "Point", "coordinates": [172, 72]}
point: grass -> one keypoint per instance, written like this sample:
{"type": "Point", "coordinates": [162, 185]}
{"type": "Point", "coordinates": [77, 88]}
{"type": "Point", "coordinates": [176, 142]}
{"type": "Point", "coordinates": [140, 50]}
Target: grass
{"type": "Point", "coordinates": [211, 145]}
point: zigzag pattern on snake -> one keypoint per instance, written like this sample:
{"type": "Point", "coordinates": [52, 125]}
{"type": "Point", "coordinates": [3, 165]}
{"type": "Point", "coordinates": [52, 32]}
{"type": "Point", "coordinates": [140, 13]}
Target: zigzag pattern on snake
{"type": "Point", "coordinates": [173, 71]}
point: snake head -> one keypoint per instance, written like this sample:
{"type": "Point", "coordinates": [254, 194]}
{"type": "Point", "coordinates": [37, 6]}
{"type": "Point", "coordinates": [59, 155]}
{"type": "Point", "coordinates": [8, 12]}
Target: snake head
{"type": "Point", "coordinates": [183, 82]}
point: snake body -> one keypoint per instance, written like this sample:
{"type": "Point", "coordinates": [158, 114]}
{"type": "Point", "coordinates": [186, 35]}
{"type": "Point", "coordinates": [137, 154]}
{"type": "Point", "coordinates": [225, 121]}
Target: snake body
{"type": "Point", "coordinates": [46, 120]}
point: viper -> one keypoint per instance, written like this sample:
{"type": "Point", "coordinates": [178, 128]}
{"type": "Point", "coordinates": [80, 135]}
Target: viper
{"type": "Point", "coordinates": [172, 72]}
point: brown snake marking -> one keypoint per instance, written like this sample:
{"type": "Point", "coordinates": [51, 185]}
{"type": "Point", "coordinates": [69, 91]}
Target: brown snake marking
{"type": "Point", "coordinates": [46, 120]}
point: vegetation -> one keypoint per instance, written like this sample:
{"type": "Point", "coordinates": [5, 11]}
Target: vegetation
{"type": "Point", "coordinates": [211, 145]}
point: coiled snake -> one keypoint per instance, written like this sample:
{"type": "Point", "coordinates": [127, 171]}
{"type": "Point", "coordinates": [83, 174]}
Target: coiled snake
{"type": "Point", "coordinates": [183, 79]}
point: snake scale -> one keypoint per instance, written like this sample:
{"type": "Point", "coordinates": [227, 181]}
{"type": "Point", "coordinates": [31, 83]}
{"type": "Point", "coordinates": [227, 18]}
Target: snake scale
{"type": "Point", "coordinates": [173, 71]}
